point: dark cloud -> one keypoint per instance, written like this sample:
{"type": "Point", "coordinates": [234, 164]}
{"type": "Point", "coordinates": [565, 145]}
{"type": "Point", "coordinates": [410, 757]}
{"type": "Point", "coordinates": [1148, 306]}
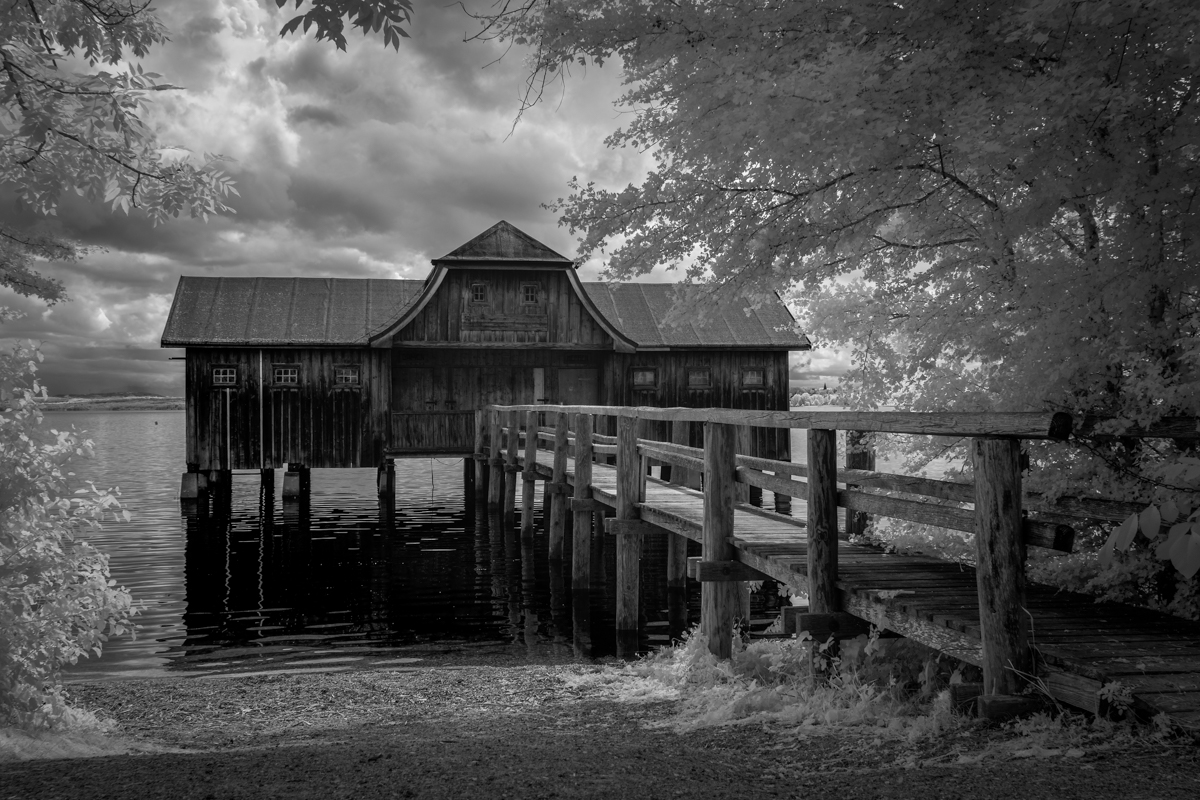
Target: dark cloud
{"type": "Point", "coordinates": [366, 163]}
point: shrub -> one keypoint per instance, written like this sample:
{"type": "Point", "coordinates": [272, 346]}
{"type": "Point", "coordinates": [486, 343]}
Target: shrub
{"type": "Point", "coordinates": [57, 601]}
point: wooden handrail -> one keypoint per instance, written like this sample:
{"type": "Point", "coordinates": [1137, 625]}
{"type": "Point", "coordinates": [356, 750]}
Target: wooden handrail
{"type": "Point", "coordinates": [1019, 424]}
{"type": "Point", "coordinates": [1086, 510]}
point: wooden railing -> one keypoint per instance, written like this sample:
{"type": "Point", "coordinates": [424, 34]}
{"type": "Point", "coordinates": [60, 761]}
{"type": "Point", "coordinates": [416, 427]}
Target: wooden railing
{"type": "Point", "coordinates": [1003, 518]}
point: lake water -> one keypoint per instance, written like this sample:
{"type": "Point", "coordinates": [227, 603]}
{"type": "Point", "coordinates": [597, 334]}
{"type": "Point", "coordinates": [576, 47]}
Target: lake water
{"type": "Point", "coordinates": [251, 580]}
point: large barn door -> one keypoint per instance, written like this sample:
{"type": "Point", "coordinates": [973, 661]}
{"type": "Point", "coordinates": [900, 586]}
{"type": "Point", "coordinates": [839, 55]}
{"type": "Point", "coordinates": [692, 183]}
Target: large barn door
{"type": "Point", "coordinates": [427, 417]}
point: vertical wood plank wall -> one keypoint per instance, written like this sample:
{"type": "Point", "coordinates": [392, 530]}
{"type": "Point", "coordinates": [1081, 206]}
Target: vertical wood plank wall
{"type": "Point", "coordinates": [455, 357]}
{"type": "Point", "coordinates": [314, 422]}
{"type": "Point", "coordinates": [726, 390]}
{"type": "Point", "coordinates": [557, 317]}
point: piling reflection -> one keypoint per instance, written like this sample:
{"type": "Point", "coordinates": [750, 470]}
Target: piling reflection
{"type": "Point", "coordinates": [348, 568]}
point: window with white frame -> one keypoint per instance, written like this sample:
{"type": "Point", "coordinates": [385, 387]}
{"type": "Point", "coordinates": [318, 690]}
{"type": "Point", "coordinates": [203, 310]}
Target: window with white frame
{"type": "Point", "coordinates": [479, 293]}
{"type": "Point", "coordinates": [530, 293]}
{"type": "Point", "coordinates": [347, 377]}
{"type": "Point", "coordinates": [754, 377]}
{"type": "Point", "coordinates": [224, 376]}
{"type": "Point", "coordinates": [285, 375]}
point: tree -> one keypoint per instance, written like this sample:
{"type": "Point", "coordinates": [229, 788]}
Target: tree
{"type": "Point", "coordinates": [57, 602]}
{"type": "Point", "coordinates": [65, 130]}
{"type": "Point", "coordinates": [992, 204]}
{"type": "Point", "coordinates": [82, 131]}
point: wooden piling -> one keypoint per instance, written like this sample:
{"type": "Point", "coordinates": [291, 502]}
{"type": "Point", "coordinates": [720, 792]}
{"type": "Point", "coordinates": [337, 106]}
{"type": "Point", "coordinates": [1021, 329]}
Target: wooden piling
{"type": "Point", "coordinates": [1000, 565]}
{"type": "Point", "coordinates": [822, 521]}
{"type": "Point", "coordinates": [719, 600]}
{"type": "Point", "coordinates": [495, 461]}
{"type": "Point", "coordinates": [189, 487]}
{"type": "Point", "coordinates": [529, 475]}
{"type": "Point", "coordinates": [385, 478]}
{"type": "Point", "coordinates": [629, 546]}
{"type": "Point", "coordinates": [480, 456]}
{"type": "Point", "coordinates": [581, 549]}
{"type": "Point", "coordinates": [559, 499]}
{"type": "Point", "coordinates": [512, 444]}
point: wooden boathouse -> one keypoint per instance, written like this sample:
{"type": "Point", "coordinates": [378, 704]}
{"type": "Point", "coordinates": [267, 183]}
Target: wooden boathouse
{"type": "Point", "coordinates": [336, 372]}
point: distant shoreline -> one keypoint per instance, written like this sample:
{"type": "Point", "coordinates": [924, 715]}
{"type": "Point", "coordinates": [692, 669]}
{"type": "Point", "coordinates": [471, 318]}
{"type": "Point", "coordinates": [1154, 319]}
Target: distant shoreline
{"type": "Point", "coordinates": [128, 403]}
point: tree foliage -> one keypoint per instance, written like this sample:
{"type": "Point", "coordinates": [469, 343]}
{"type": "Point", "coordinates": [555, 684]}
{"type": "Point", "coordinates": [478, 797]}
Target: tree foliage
{"type": "Point", "coordinates": [69, 125]}
{"type": "Point", "coordinates": [992, 205]}
{"type": "Point", "coordinates": [57, 602]}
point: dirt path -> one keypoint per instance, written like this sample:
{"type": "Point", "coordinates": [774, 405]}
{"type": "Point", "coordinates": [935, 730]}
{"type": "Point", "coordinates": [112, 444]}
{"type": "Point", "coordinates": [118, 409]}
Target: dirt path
{"type": "Point", "coordinates": [524, 732]}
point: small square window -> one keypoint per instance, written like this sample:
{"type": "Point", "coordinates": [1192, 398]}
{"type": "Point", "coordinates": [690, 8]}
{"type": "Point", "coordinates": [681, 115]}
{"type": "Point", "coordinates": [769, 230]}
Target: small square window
{"type": "Point", "coordinates": [287, 376]}
{"type": "Point", "coordinates": [699, 378]}
{"type": "Point", "coordinates": [754, 376]}
{"type": "Point", "coordinates": [224, 376]}
{"type": "Point", "coordinates": [645, 377]}
{"type": "Point", "coordinates": [479, 293]}
{"type": "Point", "coordinates": [529, 293]}
{"type": "Point", "coordinates": [346, 376]}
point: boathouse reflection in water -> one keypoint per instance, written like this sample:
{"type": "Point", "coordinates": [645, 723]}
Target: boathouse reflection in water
{"type": "Point", "coordinates": [361, 573]}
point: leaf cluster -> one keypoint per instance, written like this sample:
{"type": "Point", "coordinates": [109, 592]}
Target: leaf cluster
{"type": "Point", "coordinates": [384, 17]}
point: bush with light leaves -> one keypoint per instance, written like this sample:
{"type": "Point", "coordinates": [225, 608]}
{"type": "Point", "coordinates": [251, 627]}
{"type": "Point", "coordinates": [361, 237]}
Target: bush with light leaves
{"type": "Point", "coordinates": [57, 600]}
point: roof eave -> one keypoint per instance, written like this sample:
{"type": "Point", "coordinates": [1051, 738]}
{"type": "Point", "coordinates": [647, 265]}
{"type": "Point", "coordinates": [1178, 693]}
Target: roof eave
{"type": "Point", "coordinates": [432, 284]}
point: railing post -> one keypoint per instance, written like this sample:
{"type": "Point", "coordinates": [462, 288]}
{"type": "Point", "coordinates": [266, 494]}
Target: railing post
{"type": "Point", "coordinates": [719, 600]}
{"type": "Point", "coordinates": [495, 463]}
{"type": "Point", "coordinates": [741, 491]}
{"type": "Point", "coordinates": [783, 452]}
{"type": "Point", "coordinates": [858, 456]}
{"type": "Point", "coordinates": [822, 521]}
{"type": "Point", "coordinates": [558, 500]}
{"type": "Point", "coordinates": [629, 546]}
{"type": "Point", "coordinates": [1000, 560]}
{"type": "Point", "coordinates": [581, 545]}
{"type": "Point", "coordinates": [512, 444]}
{"type": "Point", "coordinates": [529, 475]}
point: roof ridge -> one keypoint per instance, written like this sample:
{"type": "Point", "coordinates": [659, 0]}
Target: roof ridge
{"type": "Point", "coordinates": [503, 242]}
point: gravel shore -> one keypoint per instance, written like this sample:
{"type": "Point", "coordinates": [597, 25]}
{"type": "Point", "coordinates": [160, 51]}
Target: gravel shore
{"type": "Point", "coordinates": [474, 730]}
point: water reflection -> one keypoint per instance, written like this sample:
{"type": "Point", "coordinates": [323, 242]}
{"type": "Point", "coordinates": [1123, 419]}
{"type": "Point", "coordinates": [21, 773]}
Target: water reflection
{"type": "Point", "coordinates": [248, 574]}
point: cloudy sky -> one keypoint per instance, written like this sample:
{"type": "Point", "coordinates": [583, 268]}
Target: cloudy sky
{"type": "Point", "coordinates": [363, 164]}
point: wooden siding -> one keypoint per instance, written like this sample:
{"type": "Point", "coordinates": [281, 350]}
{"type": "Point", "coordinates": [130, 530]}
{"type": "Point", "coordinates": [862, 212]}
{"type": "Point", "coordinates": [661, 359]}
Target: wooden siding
{"type": "Point", "coordinates": [442, 388]}
{"type": "Point", "coordinates": [452, 318]}
{"type": "Point", "coordinates": [315, 422]}
{"type": "Point", "coordinates": [725, 390]}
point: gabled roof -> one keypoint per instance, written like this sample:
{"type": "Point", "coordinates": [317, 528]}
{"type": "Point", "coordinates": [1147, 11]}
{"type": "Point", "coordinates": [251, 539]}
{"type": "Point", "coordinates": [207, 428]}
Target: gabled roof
{"type": "Point", "coordinates": [268, 312]}
{"type": "Point", "coordinates": [265, 312]}
{"type": "Point", "coordinates": [331, 312]}
{"type": "Point", "coordinates": [503, 243]}
{"type": "Point", "coordinates": [647, 314]}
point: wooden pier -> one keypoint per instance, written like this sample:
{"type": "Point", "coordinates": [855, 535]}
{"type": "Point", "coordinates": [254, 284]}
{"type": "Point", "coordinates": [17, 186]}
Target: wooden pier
{"type": "Point", "coordinates": [1076, 649]}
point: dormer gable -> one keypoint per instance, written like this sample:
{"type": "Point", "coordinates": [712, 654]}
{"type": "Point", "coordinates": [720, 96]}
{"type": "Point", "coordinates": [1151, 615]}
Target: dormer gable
{"type": "Point", "coordinates": [504, 288]}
